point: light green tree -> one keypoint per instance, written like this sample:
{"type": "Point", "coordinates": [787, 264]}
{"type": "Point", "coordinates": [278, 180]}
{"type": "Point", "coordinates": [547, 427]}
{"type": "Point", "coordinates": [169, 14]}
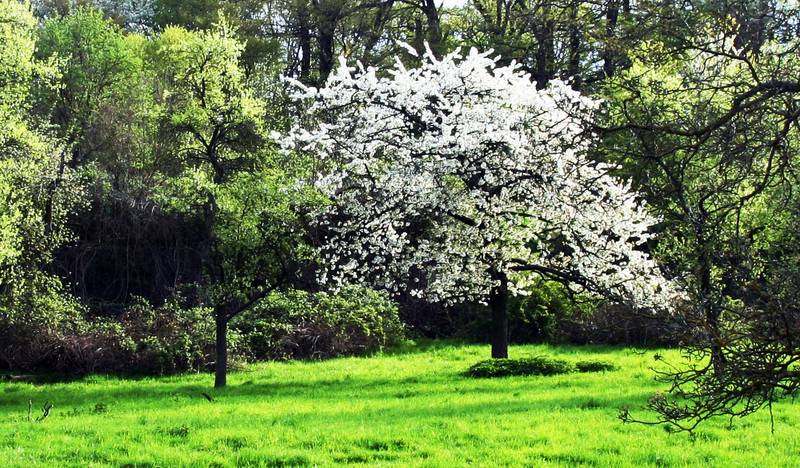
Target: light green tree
{"type": "Point", "coordinates": [247, 200]}
{"type": "Point", "coordinates": [33, 208]}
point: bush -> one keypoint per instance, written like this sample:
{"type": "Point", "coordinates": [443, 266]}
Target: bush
{"type": "Point", "coordinates": [301, 325]}
{"type": "Point", "coordinates": [548, 314]}
{"type": "Point", "coordinates": [55, 336]}
{"type": "Point", "coordinates": [618, 324]}
{"type": "Point", "coordinates": [143, 340]}
{"type": "Point", "coordinates": [538, 365]}
{"type": "Point", "coordinates": [170, 338]}
{"type": "Point", "coordinates": [594, 366]}
{"type": "Point", "coordinates": [50, 332]}
{"type": "Point", "coordinates": [34, 318]}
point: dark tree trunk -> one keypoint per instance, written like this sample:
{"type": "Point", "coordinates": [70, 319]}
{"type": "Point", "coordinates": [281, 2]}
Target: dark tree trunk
{"type": "Point", "coordinates": [711, 312]}
{"type": "Point", "coordinates": [382, 17]}
{"type": "Point", "coordinates": [327, 17]}
{"type": "Point", "coordinates": [221, 364]}
{"type": "Point", "coordinates": [214, 268]}
{"type": "Point", "coordinates": [304, 37]}
{"type": "Point", "coordinates": [325, 55]}
{"type": "Point", "coordinates": [609, 54]}
{"type": "Point", "coordinates": [498, 303]}
{"type": "Point", "coordinates": [574, 62]}
{"type": "Point", "coordinates": [544, 49]}
{"type": "Point", "coordinates": [434, 28]}
{"type": "Point", "coordinates": [752, 26]}
{"type": "Point", "coordinates": [718, 359]}
{"type": "Point", "coordinates": [54, 185]}
{"type": "Point", "coordinates": [710, 307]}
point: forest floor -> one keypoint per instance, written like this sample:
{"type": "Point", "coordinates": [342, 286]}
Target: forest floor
{"type": "Point", "coordinates": [412, 407]}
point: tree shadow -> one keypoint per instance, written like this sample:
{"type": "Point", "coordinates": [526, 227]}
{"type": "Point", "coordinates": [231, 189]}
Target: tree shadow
{"type": "Point", "coordinates": [382, 393]}
{"type": "Point", "coordinates": [426, 345]}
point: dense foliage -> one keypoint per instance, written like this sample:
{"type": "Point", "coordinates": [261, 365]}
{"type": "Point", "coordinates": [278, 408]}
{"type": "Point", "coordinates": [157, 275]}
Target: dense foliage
{"type": "Point", "coordinates": [592, 171]}
{"type": "Point", "coordinates": [301, 325]}
{"type": "Point", "coordinates": [178, 337]}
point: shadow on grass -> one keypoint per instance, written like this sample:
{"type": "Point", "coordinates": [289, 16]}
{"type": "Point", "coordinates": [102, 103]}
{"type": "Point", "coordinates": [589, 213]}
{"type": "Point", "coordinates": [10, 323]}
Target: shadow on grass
{"type": "Point", "coordinates": [396, 397]}
{"type": "Point", "coordinates": [425, 345]}
{"type": "Point", "coordinates": [382, 399]}
{"type": "Point", "coordinates": [38, 378]}
{"type": "Point", "coordinates": [175, 392]}
{"type": "Point", "coordinates": [408, 348]}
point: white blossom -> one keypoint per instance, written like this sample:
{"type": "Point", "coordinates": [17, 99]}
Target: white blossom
{"type": "Point", "coordinates": [445, 175]}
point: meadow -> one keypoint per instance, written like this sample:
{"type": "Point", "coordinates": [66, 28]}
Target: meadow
{"type": "Point", "coordinates": [410, 407]}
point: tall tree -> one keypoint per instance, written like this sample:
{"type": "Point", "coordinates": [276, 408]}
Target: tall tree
{"type": "Point", "coordinates": [314, 32]}
{"type": "Point", "coordinates": [223, 175]}
{"type": "Point", "coordinates": [583, 41]}
{"type": "Point", "coordinates": [34, 208]}
{"type": "Point", "coordinates": [708, 131]}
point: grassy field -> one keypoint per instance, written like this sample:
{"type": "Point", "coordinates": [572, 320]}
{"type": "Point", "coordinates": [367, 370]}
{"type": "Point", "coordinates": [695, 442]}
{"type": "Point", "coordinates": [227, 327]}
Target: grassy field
{"type": "Point", "coordinates": [410, 408]}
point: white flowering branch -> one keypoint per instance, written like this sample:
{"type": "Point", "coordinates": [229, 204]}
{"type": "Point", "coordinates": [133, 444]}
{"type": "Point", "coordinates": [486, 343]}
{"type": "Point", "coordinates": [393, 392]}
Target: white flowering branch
{"type": "Point", "coordinates": [459, 177]}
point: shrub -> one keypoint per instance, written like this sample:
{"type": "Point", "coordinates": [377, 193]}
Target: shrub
{"type": "Point", "coordinates": [34, 318]}
{"type": "Point", "coordinates": [143, 340]}
{"type": "Point", "coordinates": [95, 347]}
{"type": "Point", "coordinates": [594, 366]}
{"type": "Point", "coordinates": [169, 338]}
{"type": "Point", "coordinates": [301, 325]}
{"type": "Point", "coordinates": [549, 314]}
{"type": "Point", "coordinates": [618, 324]}
{"type": "Point", "coordinates": [55, 336]}
{"type": "Point", "coordinates": [52, 334]}
{"type": "Point", "coordinates": [539, 365]}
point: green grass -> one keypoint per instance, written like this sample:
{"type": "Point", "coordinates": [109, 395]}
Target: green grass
{"type": "Point", "coordinates": [405, 408]}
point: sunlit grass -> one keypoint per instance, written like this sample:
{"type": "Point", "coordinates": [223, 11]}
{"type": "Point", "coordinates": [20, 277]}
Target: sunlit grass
{"type": "Point", "coordinates": [413, 407]}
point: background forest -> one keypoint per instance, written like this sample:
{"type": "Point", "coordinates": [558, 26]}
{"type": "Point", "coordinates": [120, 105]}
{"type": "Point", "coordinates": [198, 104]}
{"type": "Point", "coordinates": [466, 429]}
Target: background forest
{"type": "Point", "coordinates": [151, 220]}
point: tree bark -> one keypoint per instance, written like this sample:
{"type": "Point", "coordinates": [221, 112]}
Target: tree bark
{"type": "Point", "coordinates": [609, 53]}
{"type": "Point", "coordinates": [434, 29]}
{"type": "Point", "coordinates": [711, 312]}
{"type": "Point", "coordinates": [574, 60]}
{"type": "Point", "coordinates": [221, 364]}
{"type": "Point", "coordinates": [710, 307]}
{"type": "Point", "coordinates": [327, 16]}
{"type": "Point", "coordinates": [304, 37]}
{"type": "Point", "coordinates": [544, 33]}
{"type": "Point", "coordinates": [498, 303]}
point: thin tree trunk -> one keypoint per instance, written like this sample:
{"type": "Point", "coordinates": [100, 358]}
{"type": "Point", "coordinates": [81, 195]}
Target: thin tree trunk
{"type": "Point", "coordinates": [498, 303]}
{"type": "Point", "coordinates": [221, 364]}
{"type": "Point", "coordinates": [382, 16]}
{"type": "Point", "coordinates": [709, 304]}
{"type": "Point", "coordinates": [212, 263]}
{"type": "Point", "coordinates": [711, 311]}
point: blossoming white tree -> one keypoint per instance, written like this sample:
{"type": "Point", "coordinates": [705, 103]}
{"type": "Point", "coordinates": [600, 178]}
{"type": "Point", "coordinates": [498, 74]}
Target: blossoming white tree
{"type": "Point", "coordinates": [460, 181]}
